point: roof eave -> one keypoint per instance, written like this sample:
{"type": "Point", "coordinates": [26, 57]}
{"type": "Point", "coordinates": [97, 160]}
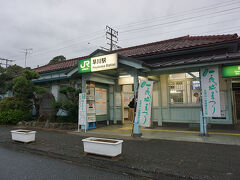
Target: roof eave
{"type": "Point", "coordinates": [233, 44]}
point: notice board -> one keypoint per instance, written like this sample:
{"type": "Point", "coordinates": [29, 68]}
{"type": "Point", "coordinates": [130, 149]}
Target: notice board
{"type": "Point", "coordinates": [101, 101]}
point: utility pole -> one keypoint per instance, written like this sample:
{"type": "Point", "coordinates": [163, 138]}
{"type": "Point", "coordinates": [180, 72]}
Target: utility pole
{"type": "Point", "coordinates": [26, 51]}
{"type": "Point", "coordinates": [111, 35]}
{"type": "Point", "coordinates": [6, 61]}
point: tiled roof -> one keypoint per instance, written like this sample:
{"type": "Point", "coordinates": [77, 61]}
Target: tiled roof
{"type": "Point", "coordinates": [175, 44]}
{"type": "Point", "coordinates": [169, 45]}
{"type": "Point", "coordinates": [57, 66]}
{"type": "Point", "coordinates": [178, 61]}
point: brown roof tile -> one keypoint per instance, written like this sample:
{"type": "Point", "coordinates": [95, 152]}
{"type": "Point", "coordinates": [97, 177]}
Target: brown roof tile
{"type": "Point", "coordinates": [57, 66]}
{"type": "Point", "coordinates": [149, 49]}
{"type": "Point", "coordinates": [175, 44]}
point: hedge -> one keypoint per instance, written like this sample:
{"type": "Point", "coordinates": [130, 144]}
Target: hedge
{"type": "Point", "coordinates": [12, 116]}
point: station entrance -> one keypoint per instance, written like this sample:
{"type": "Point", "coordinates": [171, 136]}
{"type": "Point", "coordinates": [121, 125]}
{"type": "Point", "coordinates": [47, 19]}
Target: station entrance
{"type": "Point", "coordinates": [236, 100]}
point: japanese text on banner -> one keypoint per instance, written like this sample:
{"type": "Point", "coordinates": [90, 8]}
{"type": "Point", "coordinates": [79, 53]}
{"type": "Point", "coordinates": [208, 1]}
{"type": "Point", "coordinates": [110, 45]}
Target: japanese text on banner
{"type": "Point", "coordinates": [210, 92]}
{"type": "Point", "coordinates": [82, 113]}
{"type": "Point", "coordinates": [144, 103]}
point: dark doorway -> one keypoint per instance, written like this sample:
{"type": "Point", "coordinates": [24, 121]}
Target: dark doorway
{"type": "Point", "coordinates": [236, 95]}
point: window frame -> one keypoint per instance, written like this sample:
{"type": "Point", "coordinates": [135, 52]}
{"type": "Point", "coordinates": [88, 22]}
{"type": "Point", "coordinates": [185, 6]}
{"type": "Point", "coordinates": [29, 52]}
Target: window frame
{"type": "Point", "coordinates": [188, 82]}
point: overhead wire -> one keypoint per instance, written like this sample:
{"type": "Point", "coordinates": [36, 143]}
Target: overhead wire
{"type": "Point", "coordinates": [180, 20]}
{"type": "Point", "coordinates": [148, 28]}
{"type": "Point", "coordinates": [209, 7]}
{"type": "Point", "coordinates": [136, 29]}
{"type": "Point", "coordinates": [188, 28]}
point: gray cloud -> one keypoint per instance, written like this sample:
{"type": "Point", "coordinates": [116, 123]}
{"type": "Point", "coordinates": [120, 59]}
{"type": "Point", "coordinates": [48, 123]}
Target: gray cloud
{"type": "Point", "coordinates": [75, 27]}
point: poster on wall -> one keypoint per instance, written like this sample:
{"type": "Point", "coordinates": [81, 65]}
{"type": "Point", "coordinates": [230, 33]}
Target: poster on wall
{"type": "Point", "coordinates": [90, 93]}
{"type": "Point", "coordinates": [91, 107]}
{"type": "Point", "coordinates": [82, 113]}
{"type": "Point", "coordinates": [101, 101]}
{"type": "Point", "coordinates": [210, 92]}
{"type": "Point", "coordinates": [144, 103]}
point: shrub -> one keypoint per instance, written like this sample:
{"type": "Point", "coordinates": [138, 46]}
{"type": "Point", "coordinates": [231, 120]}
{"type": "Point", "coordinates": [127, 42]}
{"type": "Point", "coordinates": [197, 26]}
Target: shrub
{"type": "Point", "coordinates": [65, 119]}
{"type": "Point", "coordinates": [70, 104]}
{"type": "Point", "coordinates": [12, 116]}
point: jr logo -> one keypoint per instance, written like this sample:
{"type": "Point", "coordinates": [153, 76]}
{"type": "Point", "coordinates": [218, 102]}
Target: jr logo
{"type": "Point", "coordinates": [84, 65]}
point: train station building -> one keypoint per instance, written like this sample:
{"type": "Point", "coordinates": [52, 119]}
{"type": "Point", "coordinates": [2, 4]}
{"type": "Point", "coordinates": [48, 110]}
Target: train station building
{"type": "Point", "coordinates": [111, 79]}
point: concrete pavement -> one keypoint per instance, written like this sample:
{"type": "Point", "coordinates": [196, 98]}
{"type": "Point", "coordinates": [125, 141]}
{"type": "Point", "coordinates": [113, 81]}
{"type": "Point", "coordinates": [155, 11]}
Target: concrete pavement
{"type": "Point", "coordinates": [151, 158]}
{"type": "Point", "coordinates": [18, 165]}
{"type": "Point", "coordinates": [228, 137]}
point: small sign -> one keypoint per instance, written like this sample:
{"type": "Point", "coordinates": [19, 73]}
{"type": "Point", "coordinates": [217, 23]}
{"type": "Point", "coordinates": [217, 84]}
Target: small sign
{"type": "Point", "coordinates": [231, 71]}
{"type": "Point", "coordinates": [144, 103]}
{"type": "Point", "coordinates": [210, 92]}
{"type": "Point", "coordinates": [99, 63]}
{"type": "Point", "coordinates": [82, 111]}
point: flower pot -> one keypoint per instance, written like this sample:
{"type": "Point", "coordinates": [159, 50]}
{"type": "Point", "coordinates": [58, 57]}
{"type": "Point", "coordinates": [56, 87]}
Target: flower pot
{"type": "Point", "coordinates": [21, 135]}
{"type": "Point", "coordinates": [102, 146]}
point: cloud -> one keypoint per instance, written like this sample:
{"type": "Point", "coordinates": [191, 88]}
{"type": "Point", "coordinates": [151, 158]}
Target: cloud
{"type": "Point", "coordinates": [75, 27]}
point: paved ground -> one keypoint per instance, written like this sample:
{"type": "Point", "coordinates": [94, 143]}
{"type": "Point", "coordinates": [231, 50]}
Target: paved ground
{"type": "Point", "coordinates": [216, 136]}
{"type": "Point", "coordinates": [19, 165]}
{"type": "Point", "coordinates": [144, 157]}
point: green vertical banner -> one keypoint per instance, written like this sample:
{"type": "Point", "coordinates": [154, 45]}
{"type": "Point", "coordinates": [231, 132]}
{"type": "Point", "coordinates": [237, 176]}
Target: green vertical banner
{"type": "Point", "coordinates": [210, 92]}
{"type": "Point", "coordinates": [84, 65]}
{"type": "Point", "coordinates": [144, 104]}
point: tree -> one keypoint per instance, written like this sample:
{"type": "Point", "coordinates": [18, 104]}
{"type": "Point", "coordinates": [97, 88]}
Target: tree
{"type": "Point", "coordinates": [6, 77]}
{"type": "Point", "coordinates": [28, 93]}
{"type": "Point", "coordinates": [1, 69]}
{"type": "Point", "coordinates": [58, 59]}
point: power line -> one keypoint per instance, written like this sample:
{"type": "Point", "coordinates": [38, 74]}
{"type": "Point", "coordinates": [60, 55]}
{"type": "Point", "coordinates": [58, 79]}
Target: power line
{"type": "Point", "coordinates": [170, 16]}
{"type": "Point", "coordinates": [181, 29]}
{"type": "Point", "coordinates": [41, 52]}
{"type": "Point", "coordinates": [180, 20]}
{"type": "Point", "coordinates": [65, 47]}
{"type": "Point", "coordinates": [132, 24]}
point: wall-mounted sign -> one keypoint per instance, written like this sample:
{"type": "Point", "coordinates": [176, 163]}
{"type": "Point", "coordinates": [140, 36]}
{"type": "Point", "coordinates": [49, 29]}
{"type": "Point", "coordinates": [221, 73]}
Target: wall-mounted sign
{"type": "Point", "coordinates": [144, 103]}
{"type": "Point", "coordinates": [231, 71]}
{"type": "Point", "coordinates": [99, 63]}
{"type": "Point", "coordinates": [210, 92]}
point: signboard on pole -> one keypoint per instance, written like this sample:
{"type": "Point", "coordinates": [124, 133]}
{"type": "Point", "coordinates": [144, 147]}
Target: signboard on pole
{"type": "Point", "coordinates": [210, 92]}
{"type": "Point", "coordinates": [144, 103]}
{"type": "Point", "coordinates": [82, 111]}
{"type": "Point", "coordinates": [99, 63]}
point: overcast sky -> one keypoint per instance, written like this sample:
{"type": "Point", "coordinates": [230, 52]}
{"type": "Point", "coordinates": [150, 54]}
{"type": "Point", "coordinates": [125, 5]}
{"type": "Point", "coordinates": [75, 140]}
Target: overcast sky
{"type": "Point", "coordinates": [75, 28]}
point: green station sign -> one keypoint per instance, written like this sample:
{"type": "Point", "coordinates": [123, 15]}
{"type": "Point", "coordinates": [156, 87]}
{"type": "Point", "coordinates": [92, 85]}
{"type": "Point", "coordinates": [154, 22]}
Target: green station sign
{"type": "Point", "coordinates": [231, 71]}
{"type": "Point", "coordinates": [99, 63]}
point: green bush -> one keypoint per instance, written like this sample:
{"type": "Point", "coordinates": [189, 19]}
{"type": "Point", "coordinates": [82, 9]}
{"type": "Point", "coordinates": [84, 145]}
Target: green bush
{"type": "Point", "coordinates": [12, 116]}
{"type": "Point", "coordinates": [65, 119]}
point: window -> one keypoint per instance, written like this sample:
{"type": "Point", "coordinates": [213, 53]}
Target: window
{"type": "Point", "coordinates": [184, 89]}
